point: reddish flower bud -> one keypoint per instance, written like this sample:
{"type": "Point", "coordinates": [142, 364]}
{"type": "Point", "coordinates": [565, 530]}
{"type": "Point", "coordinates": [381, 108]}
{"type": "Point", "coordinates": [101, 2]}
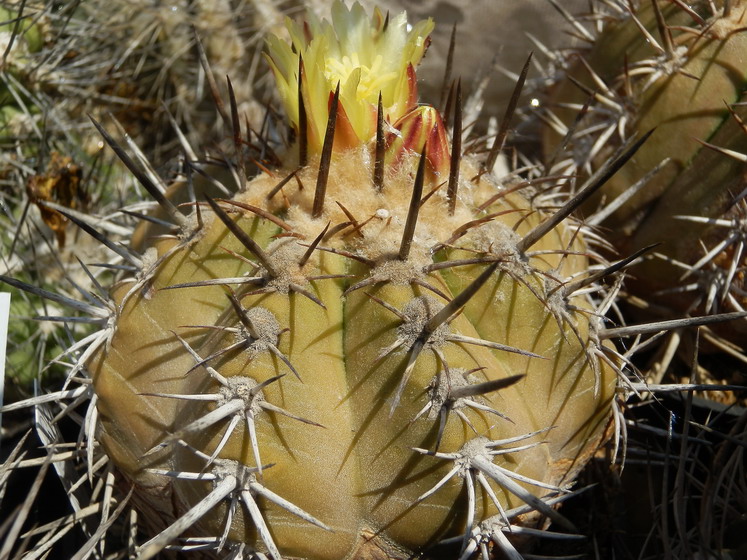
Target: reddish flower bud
{"type": "Point", "coordinates": [417, 129]}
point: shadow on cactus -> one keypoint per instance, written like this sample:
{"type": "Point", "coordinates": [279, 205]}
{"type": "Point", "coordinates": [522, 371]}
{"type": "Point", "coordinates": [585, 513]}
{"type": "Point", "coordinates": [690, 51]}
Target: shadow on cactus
{"type": "Point", "coordinates": [373, 349]}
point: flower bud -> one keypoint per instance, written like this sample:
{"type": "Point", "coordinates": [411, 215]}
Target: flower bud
{"type": "Point", "coordinates": [422, 128]}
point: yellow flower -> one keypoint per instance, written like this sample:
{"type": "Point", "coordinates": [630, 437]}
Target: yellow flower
{"type": "Point", "coordinates": [365, 55]}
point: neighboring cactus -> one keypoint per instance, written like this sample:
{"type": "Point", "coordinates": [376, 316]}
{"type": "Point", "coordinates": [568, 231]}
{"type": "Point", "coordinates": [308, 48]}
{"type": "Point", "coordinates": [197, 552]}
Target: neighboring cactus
{"type": "Point", "coordinates": [371, 348]}
{"type": "Point", "coordinates": [135, 59]}
{"type": "Point", "coordinates": [147, 65]}
{"type": "Point", "coordinates": [20, 39]}
{"type": "Point", "coordinates": [679, 70]}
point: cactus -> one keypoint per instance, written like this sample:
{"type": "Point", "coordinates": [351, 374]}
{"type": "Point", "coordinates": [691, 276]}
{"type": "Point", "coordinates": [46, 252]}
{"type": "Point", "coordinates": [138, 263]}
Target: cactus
{"type": "Point", "coordinates": [21, 38]}
{"type": "Point", "coordinates": [147, 69]}
{"type": "Point", "coordinates": [677, 70]}
{"type": "Point", "coordinates": [372, 347]}
{"type": "Point", "coordinates": [339, 361]}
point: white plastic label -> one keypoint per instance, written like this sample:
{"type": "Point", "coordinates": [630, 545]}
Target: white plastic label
{"type": "Point", "coordinates": [4, 316]}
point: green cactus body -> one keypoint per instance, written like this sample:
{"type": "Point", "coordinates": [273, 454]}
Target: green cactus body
{"type": "Point", "coordinates": [364, 391]}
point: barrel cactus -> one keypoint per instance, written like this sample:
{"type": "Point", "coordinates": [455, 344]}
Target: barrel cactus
{"type": "Point", "coordinates": [369, 348]}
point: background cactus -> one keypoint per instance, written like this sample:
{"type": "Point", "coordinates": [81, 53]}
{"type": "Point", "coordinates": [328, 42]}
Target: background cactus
{"type": "Point", "coordinates": [677, 70]}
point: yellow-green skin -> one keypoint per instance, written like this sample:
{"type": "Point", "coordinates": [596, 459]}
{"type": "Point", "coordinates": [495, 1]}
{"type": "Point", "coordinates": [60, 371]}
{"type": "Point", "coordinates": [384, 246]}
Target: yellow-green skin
{"type": "Point", "coordinates": [358, 473]}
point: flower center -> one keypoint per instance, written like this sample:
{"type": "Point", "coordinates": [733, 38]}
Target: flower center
{"type": "Point", "coordinates": [372, 79]}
